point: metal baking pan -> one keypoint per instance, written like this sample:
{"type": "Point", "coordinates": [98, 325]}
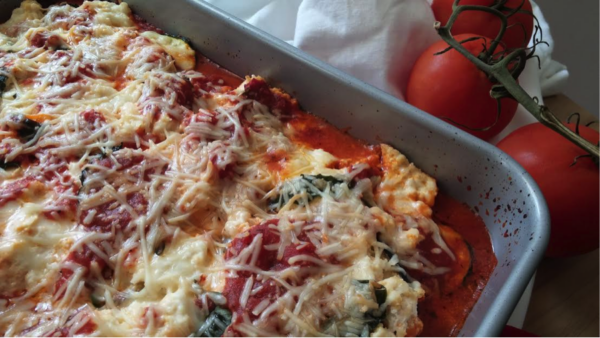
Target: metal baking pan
{"type": "Point", "coordinates": [465, 167]}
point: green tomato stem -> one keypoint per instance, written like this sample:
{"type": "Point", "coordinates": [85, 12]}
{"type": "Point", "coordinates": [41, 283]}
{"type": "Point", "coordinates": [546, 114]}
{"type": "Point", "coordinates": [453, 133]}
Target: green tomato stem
{"type": "Point", "coordinates": [501, 73]}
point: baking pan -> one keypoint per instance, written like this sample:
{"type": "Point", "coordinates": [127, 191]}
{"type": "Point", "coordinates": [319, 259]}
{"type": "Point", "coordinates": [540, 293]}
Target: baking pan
{"type": "Point", "coordinates": [466, 168]}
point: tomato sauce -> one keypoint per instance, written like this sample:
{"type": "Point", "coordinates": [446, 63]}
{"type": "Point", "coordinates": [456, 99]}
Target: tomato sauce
{"type": "Point", "coordinates": [316, 133]}
{"type": "Point", "coordinates": [214, 72]}
{"type": "Point", "coordinates": [267, 260]}
{"type": "Point", "coordinates": [84, 257]}
{"type": "Point", "coordinates": [443, 312]}
{"type": "Point", "coordinates": [449, 297]}
{"type": "Point", "coordinates": [309, 129]}
{"type": "Point", "coordinates": [14, 190]}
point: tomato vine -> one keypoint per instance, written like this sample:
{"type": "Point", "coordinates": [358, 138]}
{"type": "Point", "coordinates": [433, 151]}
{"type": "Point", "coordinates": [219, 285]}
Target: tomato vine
{"type": "Point", "coordinates": [504, 68]}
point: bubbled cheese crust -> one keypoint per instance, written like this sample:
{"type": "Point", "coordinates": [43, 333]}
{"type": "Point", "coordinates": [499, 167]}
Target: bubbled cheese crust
{"type": "Point", "coordinates": [185, 57]}
{"type": "Point", "coordinates": [138, 175]}
{"type": "Point", "coordinates": [404, 189]}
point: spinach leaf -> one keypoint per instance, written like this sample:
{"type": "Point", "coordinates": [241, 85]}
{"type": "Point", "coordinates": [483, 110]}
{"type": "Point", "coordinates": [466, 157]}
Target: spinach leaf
{"type": "Point", "coordinates": [311, 185]}
{"type": "Point", "coordinates": [160, 248]}
{"type": "Point", "coordinates": [3, 79]}
{"type": "Point", "coordinates": [215, 324]}
{"type": "Point", "coordinates": [388, 255]}
{"type": "Point", "coordinates": [380, 293]}
{"type": "Point", "coordinates": [117, 148]}
{"type": "Point", "coordinates": [83, 176]}
{"type": "Point", "coordinates": [26, 128]}
{"type": "Point", "coordinates": [356, 323]}
{"type": "Point", "coordinates": [180, 37]}
{"type": "Point", "coordinates": [29, 129]}
{"type": "Point", "coordinates": [9, 165]}
{"type": "Point", "coordinates": [97, 301]}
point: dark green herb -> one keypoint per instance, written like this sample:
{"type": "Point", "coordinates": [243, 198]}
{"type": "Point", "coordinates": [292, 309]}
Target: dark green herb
{"type": "Point", "coordinates": [180, 37]}
{"type": "Point", "coordinates": [366, 331]}
{"type": "Point", "coordinates": [26, 128]}
{"type": "Point", "coordinates": [380, 293]}
{"type": "Point", "coordinates": [351, 326]}
{"type": "Point", "coordinates": [3, 79]}
{"type": "Point", "coordinates": [8, 165]}
{"type": "Point", "coordinates": [117, 148]}
{"type": "Point", "coordinates": [83, 176]}
{"type": "Point", "coordinates": [160, 248]}
{"type": "Point", "coordinates": [103, 154]}
{"type": "Point", "coordinates": [139, 286]}
{"type": "Point", "coordinates": [364, 286]}
{"type": "Point", "coordinates": [314, 178]}
{"type": "Point", "coordinates": [311, 185]}
{"type": "Point", "coordinates": [97, 301]}
{"type": "Point", "coordinates": [215, 324]}
{"type": "Point", "coordinates": [60, 47]}
{"type": "Point", "coordinates": [472, 254]}
{"type": "Point", "coordinates": [388, 254]}
{"type": "Point", "coordinates": [357, 323]}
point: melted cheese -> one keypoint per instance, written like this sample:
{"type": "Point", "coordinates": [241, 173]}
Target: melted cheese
{"type": "Point", "coordinates": [184, 56]}
{"type": "Point", "coordinates": [110, 14]}
{"type": "Point", "coordinates": [174, 315]}
{"type": "Point", "coordinates": [401, 304]}
{"type": "Point", "coordinates": [404, 189]}
{"type": "Point", "coordinates": [144, 170]}
{"type": "Point", "coordinates": [27, 14]}
{"type": "Point", "coordinates": [30, 248]}
{"type": "Point", "coordinates": [181, 260]}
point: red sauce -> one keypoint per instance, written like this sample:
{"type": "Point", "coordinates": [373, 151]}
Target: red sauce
{"type": "Point", "coordinates": [69, 206]}
{"type": "Point", "coordinates": [86, 329]}
{"type": "Point", "coordinates": [444, 313]}
{"type": "Point", "coordinates": [446, 305]}
{"type": "Point", "coordinates": [451, 296]}
{"type": "Point", "coordinates": [214, 72]}
{"type": "Point", "coordinates": [84, 257]}
{"type": "Point", "coordinates": [316, 133]}
{"type": "Point", "coordinates": [91, 116]}
{"type": "Point", "coordinates": [14, 190]}
{"type": "Point", "coordinates": [266, 260]}
{"type": "Point", "coordinates": [275, 160]}
{"type": "Point", "coordinates": [459, 266]}
{"type": "Point", "coordinates": [105, 216]}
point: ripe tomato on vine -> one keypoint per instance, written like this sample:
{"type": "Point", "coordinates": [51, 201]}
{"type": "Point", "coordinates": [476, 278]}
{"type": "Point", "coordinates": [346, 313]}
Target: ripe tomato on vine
{"type": "Point", "coordinates": [451, 87]}
{"type": "Point", "coordinates": [519, 25]}
{"type": "Point", "coordinates": [571, 188]}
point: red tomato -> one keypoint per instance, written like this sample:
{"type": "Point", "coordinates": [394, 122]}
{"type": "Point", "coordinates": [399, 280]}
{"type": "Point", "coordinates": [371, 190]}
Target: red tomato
{"type": "Point", "coordinates": [519, 26]}
{"type": "Point", "coordinates": [570, 191]}
{"type": "Point", "coordinates": [450, 86]}
{"type": "Point", "coordinates": [511, 331]}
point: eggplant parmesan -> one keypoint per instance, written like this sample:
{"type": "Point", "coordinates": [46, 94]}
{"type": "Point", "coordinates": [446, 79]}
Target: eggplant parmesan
{"type": "Point", "coordinates": [144, 191]}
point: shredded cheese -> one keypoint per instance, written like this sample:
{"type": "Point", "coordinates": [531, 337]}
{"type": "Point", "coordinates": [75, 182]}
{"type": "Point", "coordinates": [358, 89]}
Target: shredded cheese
{"type": "Point", "coordinates": [139, 174]}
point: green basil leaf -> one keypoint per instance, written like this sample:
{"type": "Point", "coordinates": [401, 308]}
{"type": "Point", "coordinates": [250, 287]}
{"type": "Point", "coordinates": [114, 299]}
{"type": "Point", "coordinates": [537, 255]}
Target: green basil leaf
{"type": "Point", "coordinates": [215, 324]}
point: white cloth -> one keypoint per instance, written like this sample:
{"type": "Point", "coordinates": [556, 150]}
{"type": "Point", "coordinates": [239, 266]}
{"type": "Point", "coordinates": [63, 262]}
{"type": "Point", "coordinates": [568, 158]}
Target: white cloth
{"type": "Point", "coordinates": [379, 41]}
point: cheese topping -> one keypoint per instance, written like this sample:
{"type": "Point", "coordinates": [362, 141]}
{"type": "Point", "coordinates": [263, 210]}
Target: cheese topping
{"type": "Point", "coordinates": [136, 197]}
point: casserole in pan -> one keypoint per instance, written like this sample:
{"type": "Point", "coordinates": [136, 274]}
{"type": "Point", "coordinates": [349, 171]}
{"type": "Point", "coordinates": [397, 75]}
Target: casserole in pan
{"type": "Point", "coordinates": [465, 168]}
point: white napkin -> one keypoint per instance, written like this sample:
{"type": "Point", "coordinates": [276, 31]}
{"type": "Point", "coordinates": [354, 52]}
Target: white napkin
{"type": "Point", "coordinates": [379, 41]}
